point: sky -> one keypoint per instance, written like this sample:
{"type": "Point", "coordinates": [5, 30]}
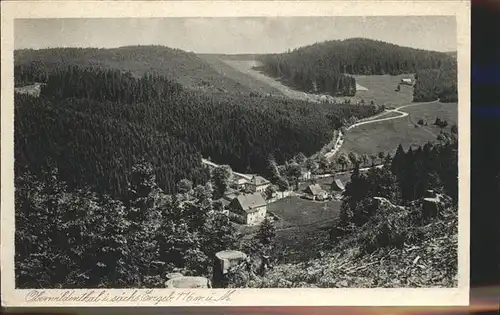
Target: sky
{"type": "Point", "coordinates": [235, 35]}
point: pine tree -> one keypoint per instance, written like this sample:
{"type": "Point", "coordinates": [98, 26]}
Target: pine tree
{"type": "Point", "coordinates": [266, 233]}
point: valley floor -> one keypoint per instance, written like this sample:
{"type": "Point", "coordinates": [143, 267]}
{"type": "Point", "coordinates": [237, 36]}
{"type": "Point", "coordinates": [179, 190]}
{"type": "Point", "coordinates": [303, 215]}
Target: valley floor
{"type": "Point", "coordinates": [386, 135]}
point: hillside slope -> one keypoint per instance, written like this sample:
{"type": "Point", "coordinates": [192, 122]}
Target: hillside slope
{"type": "Point", "coordinates": [321, 67]}
{"type": "Point", "coordinates": [183, 67]}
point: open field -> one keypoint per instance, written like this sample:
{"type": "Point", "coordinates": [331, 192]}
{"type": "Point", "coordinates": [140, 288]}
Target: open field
{"type": "Point", "coordinates": [304, 226]}
{"type": "Point", "coordinates": [295, 211]}
{"type": "Point", "coordinates": [381, 89]}
{"type": "Point", "coordinates": [387, 135]}
{"type": "Point", "coordinates": [429, 113]}
{"type": "Point", "coordinates": [247, 67]}
{"type": "Point", "coordinates": [229, 68]}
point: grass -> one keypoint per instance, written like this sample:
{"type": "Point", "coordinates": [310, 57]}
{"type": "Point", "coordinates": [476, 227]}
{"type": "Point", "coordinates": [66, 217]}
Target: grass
{"type": "Point", "coordinates": [295, 211]}
{"type": "Point", "coordinates": [385, 136]}
{"type": "Point", "coordinates": [302, 229]}
{"type": "Point", "coordinates": [239, 71]}
{"type": "Point", "coordinates": [386, 115]}
{"type": "Point", "coordinates": [381, 89]}
{"type": "Point", "coordinates": [429, 113]}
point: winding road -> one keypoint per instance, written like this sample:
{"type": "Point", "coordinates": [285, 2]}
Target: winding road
{"type": "Point", "coordinates": [371, 120]}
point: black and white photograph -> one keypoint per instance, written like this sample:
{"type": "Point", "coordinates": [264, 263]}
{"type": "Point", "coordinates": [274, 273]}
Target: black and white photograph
{"type": "Point", "coordinates": [236, 152]}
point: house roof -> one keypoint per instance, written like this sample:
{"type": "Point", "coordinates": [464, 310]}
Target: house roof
{"type": "Point", "coordinates": [315, 189]}
{"type": "Point", "coordinates": [338, 185]}
{"type": "Point", "coordinates": [241, 181]}
{"type": "Point", "coordinates": [259, 180]}
{"type": "Point", "coordinates": [249, 202]}
{"type": "Point", "coordinates": [230, 196]}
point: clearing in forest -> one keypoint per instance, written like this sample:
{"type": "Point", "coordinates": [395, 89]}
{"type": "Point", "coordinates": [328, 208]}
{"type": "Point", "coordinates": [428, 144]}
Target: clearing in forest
{"type": "Point", "coordinates": [385, 136]}
{"type": "Point", "coordinates": [381, 89]}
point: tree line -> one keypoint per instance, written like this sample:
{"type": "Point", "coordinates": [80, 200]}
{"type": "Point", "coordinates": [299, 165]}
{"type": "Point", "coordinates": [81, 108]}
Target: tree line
{"type": "Point", "coordinates": [325, 67]}
{"type": "Point", "coordinates": [92, 124]}
{"type": "Point", "coordinates": [439, 83]}
{"type": "Point", "coordinates": [404, 178]}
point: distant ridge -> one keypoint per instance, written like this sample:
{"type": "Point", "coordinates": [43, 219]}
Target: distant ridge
{"type": "Point", "coordinates": [321, 67]}
{"type": "Point", "coordinates": [184, 67]}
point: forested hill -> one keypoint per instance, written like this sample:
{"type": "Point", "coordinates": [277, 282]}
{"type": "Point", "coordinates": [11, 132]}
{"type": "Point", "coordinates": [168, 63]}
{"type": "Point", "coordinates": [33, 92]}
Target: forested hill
{"type": "Point", "coordinates": [184, 67]}
{"type": "Point", "coordinates": [322, 67]}
{"type": "Point", "coordinates": [93, 125]}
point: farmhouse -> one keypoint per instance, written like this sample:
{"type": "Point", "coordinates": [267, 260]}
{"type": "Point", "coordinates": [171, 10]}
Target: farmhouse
{"type": "Point", "coordinates": [407, 81]}
{"type": "Point", "coordinates": [315, 192]}
{"type": "Point", "coordinates": [249, 209]}
{"type": "Point", "coordinates": [258, 183]}
{"type": "Point", "coordinates": [240, 183]}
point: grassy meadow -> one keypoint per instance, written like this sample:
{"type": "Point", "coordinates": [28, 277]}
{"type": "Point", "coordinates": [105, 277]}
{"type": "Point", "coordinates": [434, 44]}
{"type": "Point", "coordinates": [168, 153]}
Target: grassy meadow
{"type": "Point", "coordinates": [381, 89]}
{"type": "Point", "coordinates": [387, 135]}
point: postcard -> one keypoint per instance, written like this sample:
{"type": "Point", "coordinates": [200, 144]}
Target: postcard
{"type": "Point", "coordinates": [246, 153]}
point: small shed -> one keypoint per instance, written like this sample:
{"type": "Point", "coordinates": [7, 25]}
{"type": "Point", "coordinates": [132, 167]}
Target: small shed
{"type": "Point", "coordinates": [316, 192]}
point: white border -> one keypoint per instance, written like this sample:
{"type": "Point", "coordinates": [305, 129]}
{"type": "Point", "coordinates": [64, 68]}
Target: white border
{"type": "Point", "coordinates": [242, 297]}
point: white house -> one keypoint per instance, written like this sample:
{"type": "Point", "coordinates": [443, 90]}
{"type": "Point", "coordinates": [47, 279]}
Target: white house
{"type": "Point", "coordinates": [249, 209]}
{"type": "Point", "coordinates": [258, 183]}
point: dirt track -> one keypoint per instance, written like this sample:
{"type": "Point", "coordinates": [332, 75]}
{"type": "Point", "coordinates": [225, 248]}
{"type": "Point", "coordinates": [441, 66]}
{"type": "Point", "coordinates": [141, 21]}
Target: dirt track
{"type": "Point", "coordinates": [371, 120]}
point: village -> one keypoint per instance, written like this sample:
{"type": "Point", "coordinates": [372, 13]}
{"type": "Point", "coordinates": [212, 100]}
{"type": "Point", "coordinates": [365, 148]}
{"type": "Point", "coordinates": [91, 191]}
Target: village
{"type": "Point", "coordinates": [246, 200]}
